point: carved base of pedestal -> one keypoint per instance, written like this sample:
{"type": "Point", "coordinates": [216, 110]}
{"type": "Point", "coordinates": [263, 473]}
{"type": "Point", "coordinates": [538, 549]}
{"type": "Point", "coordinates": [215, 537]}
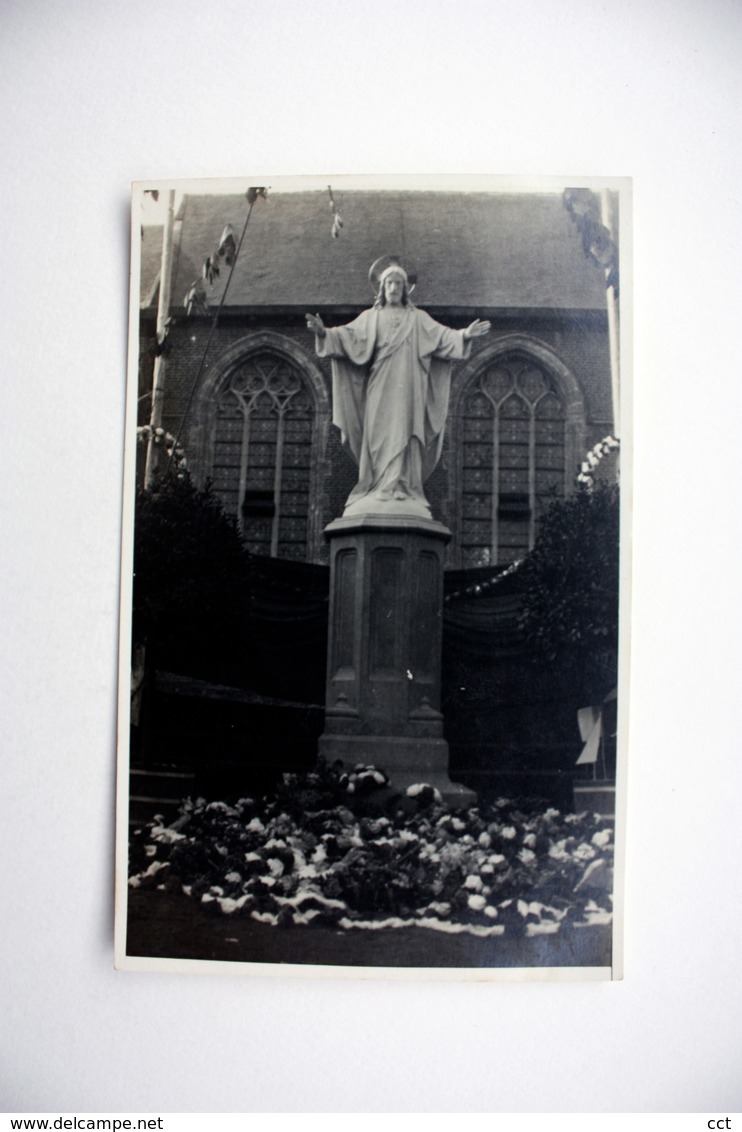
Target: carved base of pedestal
{"type": "Point", "coordinates": [384, 657]}
{"type": "Point", "coordinates": [406, 761]}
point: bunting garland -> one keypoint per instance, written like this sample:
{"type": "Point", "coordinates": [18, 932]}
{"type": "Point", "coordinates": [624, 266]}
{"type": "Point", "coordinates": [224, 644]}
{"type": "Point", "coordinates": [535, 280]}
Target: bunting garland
{"type": "Point", "coordinates": [485, 585]}
{"type": "Point", "coordinates": [196, 298]}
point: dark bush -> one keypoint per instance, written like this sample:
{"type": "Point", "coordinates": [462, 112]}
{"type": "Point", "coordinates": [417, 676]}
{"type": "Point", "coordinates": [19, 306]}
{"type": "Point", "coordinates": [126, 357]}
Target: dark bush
{"type": "Point", "coordinates": [570, 585]}
{"type": "Point", "coordinates": [190, 580]}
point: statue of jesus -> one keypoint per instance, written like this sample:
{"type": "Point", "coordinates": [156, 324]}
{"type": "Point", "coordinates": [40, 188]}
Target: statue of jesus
{"type": "Point", "coordinates": [391, 375]}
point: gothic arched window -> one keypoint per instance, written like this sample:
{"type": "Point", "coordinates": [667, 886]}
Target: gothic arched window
{"type": "Point", "coordinates": [262, 454]}
{"type": "Point", "coordinates": [512, 428]}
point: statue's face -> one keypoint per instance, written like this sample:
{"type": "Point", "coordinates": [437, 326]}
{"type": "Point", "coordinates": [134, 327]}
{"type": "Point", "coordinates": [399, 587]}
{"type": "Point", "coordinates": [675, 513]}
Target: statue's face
{"type": "Point", "coordinates": [394, 289]}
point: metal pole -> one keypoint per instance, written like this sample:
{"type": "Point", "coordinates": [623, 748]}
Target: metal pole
{"type": "Point", "coordinates": [613, 341]}
{"type": "Point", "coordinates": [163, 307]}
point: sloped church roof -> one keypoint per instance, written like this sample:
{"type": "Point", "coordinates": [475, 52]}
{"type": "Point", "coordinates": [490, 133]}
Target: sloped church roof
{"type": "Point", "coordinates": [488, 251]}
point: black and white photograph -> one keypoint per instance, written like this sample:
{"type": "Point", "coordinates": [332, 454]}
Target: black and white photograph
{"type": "Point", "coordinates": [370, 563]}
{"type": "Point", "coordinates": [374, 601]}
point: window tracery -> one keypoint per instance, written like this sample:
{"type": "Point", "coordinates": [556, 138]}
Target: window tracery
{"type": "Point", "coordinates": [263, 452]}
{"type": "Point", "coordinates": [512, 458]}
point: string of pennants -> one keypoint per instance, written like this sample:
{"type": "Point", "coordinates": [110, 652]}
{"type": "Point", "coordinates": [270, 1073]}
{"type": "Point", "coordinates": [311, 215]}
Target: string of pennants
{"type": "Point", "coordinates": [226, 250]}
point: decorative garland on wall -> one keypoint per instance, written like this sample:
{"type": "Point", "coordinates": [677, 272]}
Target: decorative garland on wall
{"type": "Point", "coordinates": [162, 439]}
{"type": "Point", "coordinates": [586, 474]}
{"type": "Point", "coordinates": [585, 479]}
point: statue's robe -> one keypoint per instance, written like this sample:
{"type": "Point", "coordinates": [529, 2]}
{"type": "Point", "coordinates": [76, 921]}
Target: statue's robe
{"type": "Point", "coordinates": [390, 388]}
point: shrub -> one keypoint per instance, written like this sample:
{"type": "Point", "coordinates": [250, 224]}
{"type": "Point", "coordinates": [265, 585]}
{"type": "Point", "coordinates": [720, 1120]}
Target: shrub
{"type": "Point", "coordinates": [570, 581]}
{"type": "Point", "coordinates": [189, 578]}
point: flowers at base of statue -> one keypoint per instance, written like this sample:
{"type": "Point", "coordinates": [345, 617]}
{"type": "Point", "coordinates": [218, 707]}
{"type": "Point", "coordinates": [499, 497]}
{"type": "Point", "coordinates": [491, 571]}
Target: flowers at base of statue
{"type": "Point", "coordinates": [598, 452]}
{"type": "Point", "coordinates": [424, 795]}
{"type": "Point", "coordinates": [489, 870]}
{"type": "Point", "coordinates": [363, 779]}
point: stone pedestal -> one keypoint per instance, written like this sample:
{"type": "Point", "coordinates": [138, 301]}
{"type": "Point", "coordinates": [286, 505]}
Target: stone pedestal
{"type": "Point", "coordinates": [384, 655]}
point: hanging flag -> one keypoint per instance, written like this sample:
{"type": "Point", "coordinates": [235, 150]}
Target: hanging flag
{"type": "Point", "coordinates": [583, 206]}
{"type": "Point", "coordinates": [227, 248]}
{"type": "Point", "coordinates": [210, 269]}
{"type": "Point", "coordinates": [337, 220]}
{"type": "Point", "coordinates": [196, 297]}
{"type": "Point", "coordinates": [590, 722]}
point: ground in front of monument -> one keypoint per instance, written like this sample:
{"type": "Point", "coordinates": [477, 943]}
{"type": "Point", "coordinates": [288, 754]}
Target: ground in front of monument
{"type": "Point", "coordinates": [339, 869]}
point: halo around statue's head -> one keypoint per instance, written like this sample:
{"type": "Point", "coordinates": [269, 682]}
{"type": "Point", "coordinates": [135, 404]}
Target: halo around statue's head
{"type": "Point", "coordinates": [380, 267]}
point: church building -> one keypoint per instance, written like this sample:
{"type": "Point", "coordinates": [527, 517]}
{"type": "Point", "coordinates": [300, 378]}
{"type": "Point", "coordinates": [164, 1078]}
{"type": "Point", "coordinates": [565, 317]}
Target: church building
{"type": "Point", "coordinates": [244, 400]}
{"type": "Point", "coordinates": [250, 403]}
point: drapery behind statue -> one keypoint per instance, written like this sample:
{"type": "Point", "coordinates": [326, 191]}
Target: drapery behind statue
{"type": "Point", "coordinates": [391, 376]}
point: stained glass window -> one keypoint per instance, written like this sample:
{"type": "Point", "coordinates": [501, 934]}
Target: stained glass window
{"type": "Point", "coordinates": [512, 459]}
{"type": "Point", "coordinates": [263, 453]}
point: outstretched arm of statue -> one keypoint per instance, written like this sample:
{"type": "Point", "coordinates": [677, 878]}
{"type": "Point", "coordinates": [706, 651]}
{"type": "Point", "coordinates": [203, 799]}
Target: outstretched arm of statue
{"type": "Point", "coordinates": [477, 329]}
{"type": "Point", "coordinates": [316, 325]}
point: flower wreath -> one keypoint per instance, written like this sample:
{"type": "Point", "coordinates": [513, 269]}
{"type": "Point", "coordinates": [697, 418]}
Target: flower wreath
{"type": "Point", "coordinates": [166, 440]}
{"type": "Point", "coordinates": [586, 476]}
